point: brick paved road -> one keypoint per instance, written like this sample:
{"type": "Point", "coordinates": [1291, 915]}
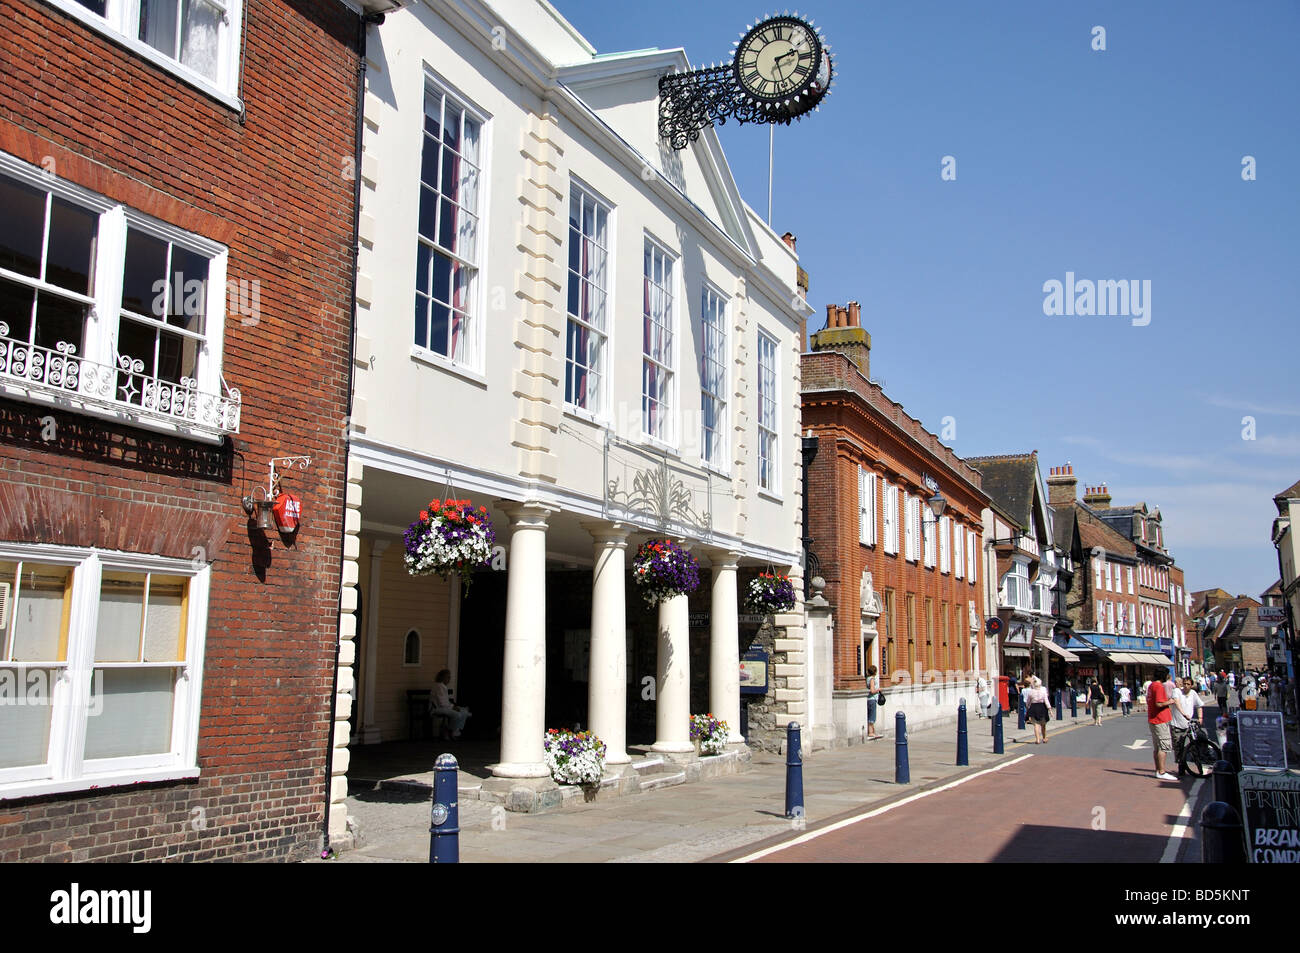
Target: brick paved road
{"type": "Point", "coordinates": [1091, 798]}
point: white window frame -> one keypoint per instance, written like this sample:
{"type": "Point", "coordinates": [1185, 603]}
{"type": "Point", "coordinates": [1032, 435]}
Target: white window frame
{"type": "Point", "coordinates": [579, 190]}
{"type": "Point", "coordinates": [1019, 571]}
{"type": "Point", "coordinates": [972, 555]}
{"type": "Point", "coordinates": [769, 378]}
{"type": "Point", "coordinates": [945, 544]}
{"type": "Point", "coordinates": [959, 551]}
{"type": "Point", "coordinates": [121, 24]}
{"type": "Point", "coordinates": [102, 326]}
{"type": "Point", "coordinates": [927, 536]}
{"type": "Point", "coordinates": [722, 418]}
{"type": "Point", "coordinates": [65, 768]}
{"type": "Point", "coordinates": [668, 408]}
{"type": "Point", "coordinates": [890, 515]}
{"type": "Point", "coordinates": [473, 362]}
{"type": "Point", "coordinates": [1130, 580]}
{"type": "Point", "coordinates": [1106, 576]}
{"type": "Point", "coordinates": [911, 544]}
{"type": "Point", "coordinates": [866, 507]}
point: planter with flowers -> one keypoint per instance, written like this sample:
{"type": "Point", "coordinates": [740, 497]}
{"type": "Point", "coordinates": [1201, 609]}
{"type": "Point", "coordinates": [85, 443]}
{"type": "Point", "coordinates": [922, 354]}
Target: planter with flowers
{"type": "Point", "coordinates": [769, 593]}
{"type": "Point", "coordinates": [451, 536]}
{"type": "Point", "coordinates": [663, 569]}
{"type": "Point", "coordinates": [574, 757]}
{"type": "Point", "coordinates": [709, 734]}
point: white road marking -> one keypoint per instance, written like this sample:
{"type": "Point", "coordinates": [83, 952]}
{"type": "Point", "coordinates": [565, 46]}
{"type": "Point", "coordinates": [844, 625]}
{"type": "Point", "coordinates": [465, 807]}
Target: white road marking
{"type": "Point", "coordinates": [1183, 826]}
{"type": "Point", "coordinates": [813, 835]}
{"type": "Point", "coordinates": [1137, 745]}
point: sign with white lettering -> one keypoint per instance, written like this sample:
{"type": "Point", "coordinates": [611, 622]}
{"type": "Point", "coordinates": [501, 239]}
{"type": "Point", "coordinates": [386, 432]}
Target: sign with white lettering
{"type": "Point", "coordinates": [1270, 810]}
{"type": "Point", "coordinates": [1270, 615]}
{"type": "Point", "coordinates": [1260, 739]}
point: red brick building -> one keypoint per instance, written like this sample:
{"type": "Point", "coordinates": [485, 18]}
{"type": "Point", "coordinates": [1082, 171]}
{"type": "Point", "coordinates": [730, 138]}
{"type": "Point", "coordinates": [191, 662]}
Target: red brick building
{"type": "Point", "coordinates": [177, 258]}
{"type": "Point", "coordinates": [905, 587]}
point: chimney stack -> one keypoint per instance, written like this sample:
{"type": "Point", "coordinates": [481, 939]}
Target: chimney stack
{"type": "Point", "coordinates": [844, 333]}
{"type": "Point", "coordinates": [1098, 497]}
{"type": "Point", "coordinates": [1062, 485]}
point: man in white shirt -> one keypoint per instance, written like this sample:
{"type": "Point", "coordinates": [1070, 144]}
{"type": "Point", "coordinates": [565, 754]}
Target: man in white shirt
{"type": "Point", "coordinates": [1185, 709]}
{"type": "Point", "coordinates": [440, 704]}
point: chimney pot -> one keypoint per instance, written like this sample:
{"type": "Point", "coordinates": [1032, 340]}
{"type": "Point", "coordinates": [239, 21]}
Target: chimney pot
{"type": "Point", "coordinates": [855, 315]}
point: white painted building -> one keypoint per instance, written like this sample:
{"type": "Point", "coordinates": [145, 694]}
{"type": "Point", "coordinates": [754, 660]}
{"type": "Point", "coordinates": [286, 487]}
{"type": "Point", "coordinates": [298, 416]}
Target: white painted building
{"type": "Point", "coordinates": [590, 334]}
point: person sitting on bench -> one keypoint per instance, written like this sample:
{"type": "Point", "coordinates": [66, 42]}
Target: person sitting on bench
{"type": "Point", "coordinates": [440, 704]}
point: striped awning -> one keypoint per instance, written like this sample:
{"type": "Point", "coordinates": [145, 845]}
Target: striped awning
{"type": "Point", "coordinates": [1056, 649]}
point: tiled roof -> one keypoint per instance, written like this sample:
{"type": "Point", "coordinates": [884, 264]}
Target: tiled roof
{"type": "Point", "coordinates": [1009, 481]}
{"type": "Point", "coordinates": [1063, 523]}
{"type": "Point", "coordinates": [1095, 532]}
{"type": "Point", "coordinates": [1290, 493]}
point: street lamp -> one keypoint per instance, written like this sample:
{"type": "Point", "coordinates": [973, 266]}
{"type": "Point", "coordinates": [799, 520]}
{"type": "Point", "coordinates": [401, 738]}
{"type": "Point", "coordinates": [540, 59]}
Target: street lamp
{"type": "Point", "coordinates": [937, 504]}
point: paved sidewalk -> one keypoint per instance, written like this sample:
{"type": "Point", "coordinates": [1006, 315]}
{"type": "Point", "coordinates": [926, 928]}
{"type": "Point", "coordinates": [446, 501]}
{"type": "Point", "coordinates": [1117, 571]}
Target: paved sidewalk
{"type": "Point", "coordinates": [689, 822]}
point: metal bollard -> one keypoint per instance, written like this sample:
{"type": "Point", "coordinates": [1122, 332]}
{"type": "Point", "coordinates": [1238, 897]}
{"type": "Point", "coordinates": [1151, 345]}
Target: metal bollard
{"type": "Point", "coordinates": [1060, 715]}
{"type": "Point", "coordinates": [1225, 783]}
{"type": "Point", "coordinates": [1020, 725]}
{"type": "Point", "coordinates": [998, 746]}
{"type": "Point", "coordinates": [963, 753]}
{"type": "Point", "coordinates": [1223, 840]}
{"type": "Point", "coordinates": [902, 775]}
{"type": "Point", "coordinates": [1074, 704]}
{"type": "Point", "coordinates": [444, 816]}
{"type": "Point", "coordinates": [1233, 744]}
{"type": "Point", "coordinates": [793, 771]}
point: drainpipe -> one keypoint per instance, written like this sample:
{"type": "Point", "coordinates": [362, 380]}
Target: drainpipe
{"type": "Point", "coordinates": [810, 562]}
{"type": "Point", "coordinates": [362, 24]}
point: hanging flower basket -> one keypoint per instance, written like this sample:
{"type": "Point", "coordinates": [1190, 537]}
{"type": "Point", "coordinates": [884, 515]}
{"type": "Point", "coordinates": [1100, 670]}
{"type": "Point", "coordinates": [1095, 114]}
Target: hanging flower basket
{"type": "Point", "coordinates": [709, 733]}
{"type": "Point", "coordinates": [770, 592]}
{"type": "Point", "coordinates": [574, 757]}
{"type": "Point", "coordinates": [663, 569]}
{"type": "Point", "coordinates": [451, 536]}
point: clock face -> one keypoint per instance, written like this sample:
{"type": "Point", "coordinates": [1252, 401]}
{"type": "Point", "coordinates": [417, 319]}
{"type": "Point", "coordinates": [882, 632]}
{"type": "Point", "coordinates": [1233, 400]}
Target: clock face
{"type": "Point", "coordinates": [779, 59]}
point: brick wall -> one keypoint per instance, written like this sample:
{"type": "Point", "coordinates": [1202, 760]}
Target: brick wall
{"type": "Point", "coordinates": [273, 186]}
{"type": "Point", "coordinates": [858, 425]}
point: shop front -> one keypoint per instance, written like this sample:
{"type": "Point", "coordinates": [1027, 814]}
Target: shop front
{"type": "Point", "coordinates": [1132, 659]}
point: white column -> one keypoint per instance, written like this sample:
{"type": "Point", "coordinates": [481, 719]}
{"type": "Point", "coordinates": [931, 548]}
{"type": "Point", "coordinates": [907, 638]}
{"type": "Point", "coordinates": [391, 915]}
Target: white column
{"type": "Point", "coordinates": [369, 733]}
{"type": "Point", "coordinates": [523, 686]}
{"type": "Point", "coordinates": [673, 701]}
{"type": "Point", "coordinates": [607, 687]}
{"type": "Point", "coordinates": [724, 645]}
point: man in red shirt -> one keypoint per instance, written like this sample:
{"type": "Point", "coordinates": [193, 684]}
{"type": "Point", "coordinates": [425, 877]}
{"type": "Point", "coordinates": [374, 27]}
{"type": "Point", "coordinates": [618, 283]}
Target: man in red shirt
{"type": "Point", "coordinates": [1158, 717]}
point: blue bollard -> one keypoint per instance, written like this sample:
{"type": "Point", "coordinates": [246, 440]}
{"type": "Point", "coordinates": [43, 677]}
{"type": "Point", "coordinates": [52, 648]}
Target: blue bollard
{"type": "Point", "coordinates": [1060, 716]}
{"type": "Point", "coordinates": [902, 775]}
{"type": "Point", "coordinates": [1223, 840]}
{"type": "Point", "coordinates": [793, 771]}
{"type": "Point", "coordinates": [1074, 704]}
{"type": "Point", "coordinates": [444, 817]}
{"type": "Point", "coordinates": [998, 746]}
{"type": "Point", "coordinates": [1020, 726]}
{"type": "Point", "coordinates": [963, 754]}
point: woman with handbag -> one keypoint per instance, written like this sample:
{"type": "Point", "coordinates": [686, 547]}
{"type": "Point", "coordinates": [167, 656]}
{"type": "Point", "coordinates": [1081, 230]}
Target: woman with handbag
{"type": "Point", "coordinates": [1036, 709]}
{"type": "Point", "coordinates": [875, 697]}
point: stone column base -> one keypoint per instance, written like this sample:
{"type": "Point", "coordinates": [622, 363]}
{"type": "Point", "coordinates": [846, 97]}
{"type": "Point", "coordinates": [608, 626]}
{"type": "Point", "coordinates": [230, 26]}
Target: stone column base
{"type": "Point", "coordinates": [523, 795]}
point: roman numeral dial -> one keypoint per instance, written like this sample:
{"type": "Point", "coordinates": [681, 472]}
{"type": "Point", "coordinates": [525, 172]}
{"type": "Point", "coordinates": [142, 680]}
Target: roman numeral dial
{"type": "Point", "coordinates": [778, 59]}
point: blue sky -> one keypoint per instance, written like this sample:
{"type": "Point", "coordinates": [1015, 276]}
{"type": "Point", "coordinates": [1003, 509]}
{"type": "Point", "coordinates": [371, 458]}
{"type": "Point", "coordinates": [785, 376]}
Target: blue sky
{"type": "Point", "coordinates": [1117, 164]}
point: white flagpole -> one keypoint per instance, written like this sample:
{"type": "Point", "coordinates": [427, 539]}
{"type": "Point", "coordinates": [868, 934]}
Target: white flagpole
{"type": "Point", "coordinates": [771, 146]}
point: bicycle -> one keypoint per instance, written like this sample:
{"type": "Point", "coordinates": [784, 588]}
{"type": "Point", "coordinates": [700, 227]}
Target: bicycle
{"type": "Point", "coordinates": [1197, 752]}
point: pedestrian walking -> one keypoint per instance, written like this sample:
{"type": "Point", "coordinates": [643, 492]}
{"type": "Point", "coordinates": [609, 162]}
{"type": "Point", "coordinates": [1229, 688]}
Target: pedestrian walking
{"type": "Point", "coordinates": [983, 697]}
{"type": "Point", "coordinates": [1221, 695]}
{"type": "Point", "coordinates": [1013, 695]}
{"type": "Point", "coordinates": [873, 705]}
{"type": "Point", "coordinates": [1098, 698]}
{"type": "Point", "coordinates": [1159, 718]}
{"type": "Point", "coordinates": [1125, 699]}
{"type": "Point", "coordinates": [1036, 709]}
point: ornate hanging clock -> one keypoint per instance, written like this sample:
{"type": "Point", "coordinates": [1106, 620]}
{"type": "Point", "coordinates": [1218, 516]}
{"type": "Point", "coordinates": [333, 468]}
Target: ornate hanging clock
{"type": "Point", "coordinates": [780, 70]}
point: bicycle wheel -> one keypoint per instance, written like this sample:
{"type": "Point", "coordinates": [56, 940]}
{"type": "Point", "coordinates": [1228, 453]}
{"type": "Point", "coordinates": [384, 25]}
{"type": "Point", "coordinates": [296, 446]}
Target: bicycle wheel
{"type": "Point", "coordinates": [1200, 756]}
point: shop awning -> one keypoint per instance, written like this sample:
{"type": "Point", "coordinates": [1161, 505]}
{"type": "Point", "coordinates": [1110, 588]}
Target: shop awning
{"type": "Point", "coordinates": [1014, 651]}
{"type": "Point", "coordinates": [1151, 658]}
{"type": "Point", "coordinates": [1056, 649]}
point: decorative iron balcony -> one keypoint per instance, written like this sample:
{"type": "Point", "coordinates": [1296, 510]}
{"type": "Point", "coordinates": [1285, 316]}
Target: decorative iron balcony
{"type": "Point", "coordinates": [123, 391]}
